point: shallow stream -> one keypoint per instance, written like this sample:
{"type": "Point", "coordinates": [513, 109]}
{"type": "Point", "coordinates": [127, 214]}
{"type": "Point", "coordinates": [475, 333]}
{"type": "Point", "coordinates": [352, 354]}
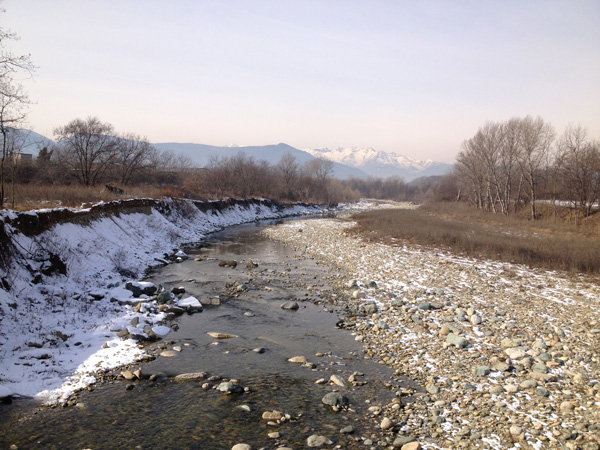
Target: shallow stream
{"type": "Point", "coordinates": [160, 413]}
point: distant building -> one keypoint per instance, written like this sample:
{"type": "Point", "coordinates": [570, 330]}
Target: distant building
{"type": "Point", "coordinates": [23, 157]}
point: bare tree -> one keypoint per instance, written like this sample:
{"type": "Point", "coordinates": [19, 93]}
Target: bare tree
{"type": "Point", "coordinates": [87, 147]}
{"type": "Point", "coordinates": [13, 99]}
{"type": "Point", "coordinates": [470, 171]}
{"type": "Point", "coordinates": [133, 155]}
{"type": "Point", "coordinates": [578, 164]}
{"type": "Point", "coordinates": [536, 140]}
{"type": "Point", "coordinates": [317, 173]}
{"type": "Point", "coordinates": [289, 171]}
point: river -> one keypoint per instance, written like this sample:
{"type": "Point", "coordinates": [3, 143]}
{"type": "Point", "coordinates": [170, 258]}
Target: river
{"type": "Point", "coordinates": [157, 412]}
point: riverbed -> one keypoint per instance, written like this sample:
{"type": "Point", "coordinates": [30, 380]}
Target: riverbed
{"type": "Point", "coordinates": [245, 303]}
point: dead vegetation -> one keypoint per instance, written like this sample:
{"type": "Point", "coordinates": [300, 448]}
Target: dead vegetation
{"type": "Point", "coordinates": [33, 196]}
{"type": "Point", "coordinates": [550, 243]}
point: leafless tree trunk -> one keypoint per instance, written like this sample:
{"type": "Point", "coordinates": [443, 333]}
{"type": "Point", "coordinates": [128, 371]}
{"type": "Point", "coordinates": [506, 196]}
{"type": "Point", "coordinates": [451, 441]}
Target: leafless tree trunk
{"type": "Point", "coordinates": [536, 140]}
{"type": "Point", "coordinates": [133, 154]}
{"type": "Point", "coordinates": [87, 147]}
{"type": "Point", "coordinates": [579, 167]}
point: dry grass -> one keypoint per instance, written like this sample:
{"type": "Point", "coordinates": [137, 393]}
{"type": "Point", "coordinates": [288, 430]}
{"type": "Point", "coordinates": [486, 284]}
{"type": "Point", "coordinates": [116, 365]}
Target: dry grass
{"type": "Point", "coordinates": [31, 196]}
{"type": "Point", "coordinates": [550, 243]}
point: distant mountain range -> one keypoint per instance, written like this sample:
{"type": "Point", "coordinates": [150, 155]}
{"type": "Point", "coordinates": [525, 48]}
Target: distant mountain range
{"type": "Point", "coordinates": [30, 141]}
{"type": "Point", "coordinates": [382, 164]}
{"type": "Point", "coordinates": [201, 155]}
{"type": "Point", "coordinates": [347, 162]}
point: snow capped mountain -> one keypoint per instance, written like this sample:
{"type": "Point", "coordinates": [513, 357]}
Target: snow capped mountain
{"type": "Point", "coordinates": [378, 163]}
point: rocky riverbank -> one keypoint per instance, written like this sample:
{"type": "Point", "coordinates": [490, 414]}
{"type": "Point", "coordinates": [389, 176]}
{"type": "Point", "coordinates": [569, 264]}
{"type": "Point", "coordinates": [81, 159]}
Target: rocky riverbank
{"type": "Point", "coordinates": [507, 357]}
{"type": "Point", "coordinates": [58, 269]}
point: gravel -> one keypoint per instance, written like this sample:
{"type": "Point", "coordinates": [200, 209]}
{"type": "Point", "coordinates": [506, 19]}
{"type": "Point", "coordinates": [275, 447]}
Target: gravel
{"type": "Point", "coordinates": [505, 354]}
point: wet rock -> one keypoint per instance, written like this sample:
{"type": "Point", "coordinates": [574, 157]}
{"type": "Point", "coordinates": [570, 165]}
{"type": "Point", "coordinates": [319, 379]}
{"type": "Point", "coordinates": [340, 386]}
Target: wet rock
{"type": "Point", "coordinates": [168, 353]}
{"type": "Point", "coordinates": [190, 304]}
{"type": "Point", "coordinates": [316, 441]}
{"type": "Point", "coordinates": [335, 399]}
{"type": "Point", "coordinates": [194, 376]}
{"type": "Point", "coordinates": [292, 306]}
{"type": "Point", "coordinates": [178, 290]}
{"type": "Point", "coordinates": [298, 359]}
{"type": "Point", "coordinates": [347, 430]}
{"type": "Point", "coordinates": [128, 375]}
{"type": "Point", "coordinates": [217, 335]}
{"type": "Point", "coordinates": [337, 380]}
{"type": "Point", "coordinates": [272, 416]}
{"type": "Point", "coordinates": [164, 297]}
{"type": "Point", "coordinates": [228, 263]}
{"type": "Point", "coordinates": [228, 387]}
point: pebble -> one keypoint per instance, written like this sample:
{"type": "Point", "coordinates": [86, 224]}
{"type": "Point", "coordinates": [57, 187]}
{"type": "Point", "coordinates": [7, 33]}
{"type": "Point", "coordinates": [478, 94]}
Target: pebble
{"type": "Point", "coordinates": [272, 415]}
{"type": "Point", "coordinates": [298, 359]}
{"type": "Point", "coordinates": [411, 446]}
{"type": "Point", "coordinates": [194, 376]}
{"type": "Point", "coordinates": [515, 430]}
{"type": "Point", "coordinates": [338, 381]}
{"type": "Point", "coordinates": [482, 371]}
{"type": "Point", "coordinates": [386, 424]}
{"type": "Point", "coordinates": [241, 447]}
{"type": "Point", "coordinates": [456, 340]}
{"type": "Point", "coordinates": [221, 335]}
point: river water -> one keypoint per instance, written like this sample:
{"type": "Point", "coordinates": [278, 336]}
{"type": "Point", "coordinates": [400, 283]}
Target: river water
{"type": "Point", "coordinates": [160, 413]}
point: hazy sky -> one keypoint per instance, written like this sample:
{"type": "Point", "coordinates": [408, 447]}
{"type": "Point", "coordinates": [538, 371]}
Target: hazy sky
{"type": "Point", "coordinates": [415, 77]}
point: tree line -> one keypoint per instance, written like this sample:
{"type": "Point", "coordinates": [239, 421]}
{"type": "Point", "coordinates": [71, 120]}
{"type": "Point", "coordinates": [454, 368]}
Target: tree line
{"type": "Point", "coordinates": [507, 165]}
{"type": "Point", "coordinates": [90, 152]}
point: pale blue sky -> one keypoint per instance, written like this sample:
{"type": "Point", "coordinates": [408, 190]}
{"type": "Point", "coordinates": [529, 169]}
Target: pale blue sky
{"type": "Point", "coordinates": [415, 77]}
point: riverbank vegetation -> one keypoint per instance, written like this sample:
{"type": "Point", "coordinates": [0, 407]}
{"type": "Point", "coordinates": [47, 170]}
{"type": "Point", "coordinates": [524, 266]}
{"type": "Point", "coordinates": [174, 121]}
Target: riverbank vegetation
{"type": "Point", "coordinates": [551, 242]}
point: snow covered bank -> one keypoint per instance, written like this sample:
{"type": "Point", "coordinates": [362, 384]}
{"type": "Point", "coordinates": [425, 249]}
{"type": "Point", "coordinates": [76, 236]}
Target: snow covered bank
{"type": "Point", "coordinates": [57, 268]}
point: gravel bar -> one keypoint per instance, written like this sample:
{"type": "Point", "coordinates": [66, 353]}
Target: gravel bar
{"type": "Point", "coordinates": [507, 356]}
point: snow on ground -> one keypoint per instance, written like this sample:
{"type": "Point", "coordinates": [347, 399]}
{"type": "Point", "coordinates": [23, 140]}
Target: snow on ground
{"type": "Point", "coordinates": [58, 328]}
